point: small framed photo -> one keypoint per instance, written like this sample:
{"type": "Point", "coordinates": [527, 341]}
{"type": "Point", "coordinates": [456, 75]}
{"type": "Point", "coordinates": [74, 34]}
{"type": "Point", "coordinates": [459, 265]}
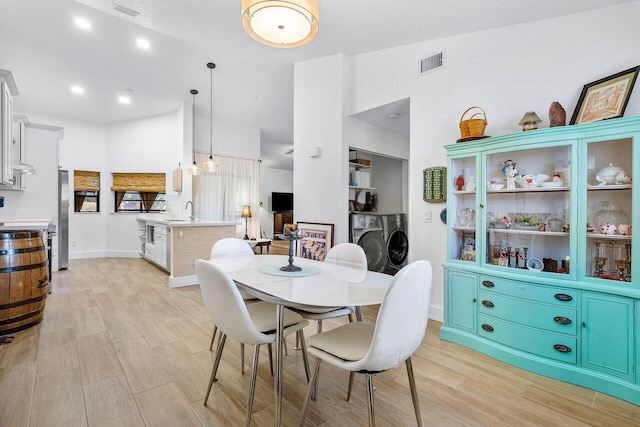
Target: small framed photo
{"type": "Point", "coordinates": [605, 98]}
{"type": "Point", "coordinates": [317, 239]}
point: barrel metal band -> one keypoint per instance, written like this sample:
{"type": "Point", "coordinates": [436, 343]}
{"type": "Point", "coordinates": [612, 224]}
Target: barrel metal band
{"type": "Point", "coordinates": [20, 235]}
{"type": "Point", "coordinates": [23, 302]}
{"type": "Point", "coordinates": [21, 251]}
{"type": "Point", "coordinates": [23, 267]}
{"type": "Point", "coordinates": [22, 327]}
{"type": "Point", "coordinates": [21, 318]}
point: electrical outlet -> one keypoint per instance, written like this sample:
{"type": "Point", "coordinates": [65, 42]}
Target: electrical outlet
{"type": "Point", "coordinates": [427, 216]}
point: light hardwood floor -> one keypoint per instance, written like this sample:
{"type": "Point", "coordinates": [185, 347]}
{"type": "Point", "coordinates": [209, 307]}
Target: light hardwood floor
{"type": "Point", "coordinates": [117, 347]}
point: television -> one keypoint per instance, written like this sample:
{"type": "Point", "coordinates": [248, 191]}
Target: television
{"type": "Point", "coordinates": [281, 202]}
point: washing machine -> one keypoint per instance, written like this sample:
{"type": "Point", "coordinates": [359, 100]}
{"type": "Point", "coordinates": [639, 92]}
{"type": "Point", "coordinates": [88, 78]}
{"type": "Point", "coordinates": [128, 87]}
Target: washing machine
{"type": "Point", "coordinates": [366, 230]}
{"type": "Point", "coordinates": [394, 229]}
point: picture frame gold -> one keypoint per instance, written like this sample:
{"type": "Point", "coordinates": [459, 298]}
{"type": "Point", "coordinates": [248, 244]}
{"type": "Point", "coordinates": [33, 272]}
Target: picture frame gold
{"type": "Point", "coordinates": [606, 98]}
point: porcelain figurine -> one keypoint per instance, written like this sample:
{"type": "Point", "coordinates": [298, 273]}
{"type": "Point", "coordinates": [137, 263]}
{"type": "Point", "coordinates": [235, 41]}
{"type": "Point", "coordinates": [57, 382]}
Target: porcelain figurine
{"type": "Point", "coordinates": [459, 182]}
{"type": "Point", "coordinates": [624, 229]}
{"type": "Point", "coordinates": [509, 170]}
{"type": "Point", "coordinates": [471, 184]}
{"type": "Point", "coordinates": [608, 175]}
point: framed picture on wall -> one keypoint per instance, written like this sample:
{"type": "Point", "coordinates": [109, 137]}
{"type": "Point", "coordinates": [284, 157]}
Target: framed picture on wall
{"type": "Point", "coordinates": [605, 98]}
{"type": "Point", "coordinates": [317, 239]}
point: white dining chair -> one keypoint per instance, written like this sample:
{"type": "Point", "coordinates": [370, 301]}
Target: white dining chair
{"type": "Point", "coordinates": [345, 254]}
{"type": "Point", "coordinates": [232, 247]}
{"type": "Point", "coordinates": [370, 349]}
{"type": "Point", "coordinates": [253, 324]}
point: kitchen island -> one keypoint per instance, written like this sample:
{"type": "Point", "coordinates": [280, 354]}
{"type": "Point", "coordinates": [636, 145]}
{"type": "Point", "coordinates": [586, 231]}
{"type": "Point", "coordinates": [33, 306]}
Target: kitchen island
{"type": "Point", "coordinates": [174, 245]}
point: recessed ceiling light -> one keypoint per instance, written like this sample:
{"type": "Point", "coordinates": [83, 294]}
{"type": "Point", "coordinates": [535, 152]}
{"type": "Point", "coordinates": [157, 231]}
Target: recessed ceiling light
{"type": "Point", "coordinates": [77, 90]}
{"type": "Point", "coordinates": [124, 99]}
{"type": "Point", "coordinates": [83, 23]}
{"type": "Point", "coordinates": [143, 43]}
{"type": "Point", "coordinates": [393, 115]}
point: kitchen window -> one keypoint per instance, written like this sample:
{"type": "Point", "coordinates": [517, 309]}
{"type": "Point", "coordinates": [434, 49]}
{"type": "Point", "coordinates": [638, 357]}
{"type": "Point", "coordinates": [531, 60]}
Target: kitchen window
{"type": "Point", "coordinates": [86, 191]}
{"type": "Point", "coordinates": [139, 192]}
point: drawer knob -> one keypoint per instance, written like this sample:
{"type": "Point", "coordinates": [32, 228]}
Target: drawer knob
{"type": "Point", "coordinates": [562, 348]}
{"type": "Point", "coordinates": [562, 320]}
{"type": "Point", "coordinates": [563, 297]}
{"type": "Point", "coordinates": [488, 284]}
{"type": "Point", "coordinates": [487, 303]}
{"type": "Point", "coordinates": [487, 328]}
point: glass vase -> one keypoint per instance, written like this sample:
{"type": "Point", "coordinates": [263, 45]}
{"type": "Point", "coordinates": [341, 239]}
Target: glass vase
{"type": "Point", "coordinates": [607, 219]}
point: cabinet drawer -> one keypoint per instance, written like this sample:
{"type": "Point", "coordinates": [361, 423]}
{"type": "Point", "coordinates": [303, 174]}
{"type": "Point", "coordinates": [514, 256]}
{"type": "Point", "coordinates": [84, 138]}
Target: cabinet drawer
{"type": "Point", "coordinates": [524, 290]}
{"type": "Point", "coordinates": [549, 317]}
{"type": "Point", "coordinates": [536, 341]}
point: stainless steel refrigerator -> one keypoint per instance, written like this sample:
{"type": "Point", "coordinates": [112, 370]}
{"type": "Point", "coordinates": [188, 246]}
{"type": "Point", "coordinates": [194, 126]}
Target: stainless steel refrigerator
{"type": "Point", "coordinates": [63, 219]}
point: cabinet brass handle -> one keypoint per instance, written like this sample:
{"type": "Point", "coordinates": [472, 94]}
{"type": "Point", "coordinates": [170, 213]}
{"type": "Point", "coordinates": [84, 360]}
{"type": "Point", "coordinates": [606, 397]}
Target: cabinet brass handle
{"type": "Point", "coordinates": [488, 284]}
{"type": "Point", "coordinates": [562, 320]}
{"type": "Point", "coordinates": [563, 297]}
{"type": "Point", "coordinates": [562, 348]}
{"type": "Point", "coordinates": [487, 303]}
{"type": "Point", "coordinates": [487, 328]}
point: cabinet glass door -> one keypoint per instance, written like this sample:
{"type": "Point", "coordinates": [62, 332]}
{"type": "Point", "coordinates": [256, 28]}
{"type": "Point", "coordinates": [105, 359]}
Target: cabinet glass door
{"type": "Point", "coordinates": [609, 209]}
{"type": "Point", "coordinates": [462, 213]}
{"type": "Point", "coordinates": [528, 200]}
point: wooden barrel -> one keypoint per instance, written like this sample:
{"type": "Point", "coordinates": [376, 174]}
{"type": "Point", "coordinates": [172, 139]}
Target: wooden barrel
{"type": "Point", "coordinates": [23, 280]}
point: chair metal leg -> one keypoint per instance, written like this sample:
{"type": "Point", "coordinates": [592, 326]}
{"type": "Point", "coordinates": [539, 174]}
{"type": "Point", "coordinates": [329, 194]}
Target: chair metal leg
{"type": "Point", "coordinates": [350, 318]}
{"type": "Point", "coordinates": [305, 357]}
{"type": "Point", "coordinates": [414, 392]}
{"type": "Point", "coordinates": [242, 358]}
{"type": "Point", "coordinates": [307, 397]}
{"type": "Point", "coordinates": [213, 337]}
{"type": "Point", "coordinates": [214, 370]}
{"type": "Point", "coordinates": [297, 347]}
{"type": "Point", "coordinates": [351, 375]}
{"type": "Point", "coordinates": [359, 313]}
{"type": "Point", "coordinates": [252, 382]}
{"type": "Point", "coordinates": [270, 347]}
{"type": "Point", "coordinates": [319, 326]}
{"type": "Point", "coordinates": [370, 397]}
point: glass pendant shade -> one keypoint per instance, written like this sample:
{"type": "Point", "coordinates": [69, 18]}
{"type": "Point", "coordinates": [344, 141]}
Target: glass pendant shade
{"type": "Point", "coordinates": [194, 169]}
{"type": "Point", "coordinates": [279, 23]}
{"type": "Point", "coordinates": [210, 166]}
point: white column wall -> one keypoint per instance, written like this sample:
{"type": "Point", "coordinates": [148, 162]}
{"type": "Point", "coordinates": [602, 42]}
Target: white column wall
{"type": "Point", "coordinates": [320, 183]}
{"type": "Point", "coordinates": [507, 71]}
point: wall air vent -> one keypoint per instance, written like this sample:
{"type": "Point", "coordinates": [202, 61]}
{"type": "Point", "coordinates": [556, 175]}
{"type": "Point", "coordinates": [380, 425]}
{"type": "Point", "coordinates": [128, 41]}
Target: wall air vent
{"type": "Point", "coordinates": [431, 63]}
{"type": "Point", "coordinates": [118, 7]}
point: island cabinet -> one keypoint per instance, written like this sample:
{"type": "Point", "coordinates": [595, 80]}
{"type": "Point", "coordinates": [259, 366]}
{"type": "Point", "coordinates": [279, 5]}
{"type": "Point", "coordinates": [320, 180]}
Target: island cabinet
{"type": "Point", "coordinates": [541, 271]}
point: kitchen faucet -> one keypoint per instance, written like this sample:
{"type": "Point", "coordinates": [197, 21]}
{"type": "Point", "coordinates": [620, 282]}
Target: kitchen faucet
{"type": "Point", "coordinates": [191, 217]}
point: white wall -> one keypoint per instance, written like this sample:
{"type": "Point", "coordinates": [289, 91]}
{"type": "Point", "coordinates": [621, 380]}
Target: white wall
{"type": "Point", "coordinates": [39, 200]}
{"type": "Point", "coordinates": [278, 180]}
{"type": "Point", "coordinates": [496, 69]}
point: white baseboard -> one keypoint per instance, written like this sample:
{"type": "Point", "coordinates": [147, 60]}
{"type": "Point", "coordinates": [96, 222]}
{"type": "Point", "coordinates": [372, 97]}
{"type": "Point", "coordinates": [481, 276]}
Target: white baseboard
{"type": "Point", "coordinates": [436, 313]}
{"type": "Point", "coordinates": [104, 254]}
{"type": "Point", "coordinates": [178, 282]}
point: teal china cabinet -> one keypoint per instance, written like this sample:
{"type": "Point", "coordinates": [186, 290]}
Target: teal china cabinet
{"type": "Point", "coordinates": [541, 271]}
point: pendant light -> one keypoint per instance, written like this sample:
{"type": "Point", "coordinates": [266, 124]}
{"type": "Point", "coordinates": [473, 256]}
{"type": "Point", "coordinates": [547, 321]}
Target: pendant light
{"type": "Point", "coordinates": [194, 169]}
{"type": "Point", "coordinates": [210, 166]}
{"type": "Point", "coordinates": [280, 23]}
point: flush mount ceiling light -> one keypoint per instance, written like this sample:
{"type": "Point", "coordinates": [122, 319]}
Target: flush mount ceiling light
{"type": "Point", "coordinates": [194, 169]}
{"type": "Point", "coordinates": [210, 166]}
{"type": "Point", "coordinates": [124, 99]}
{"type": "Point", "coordinates": [281, 23]}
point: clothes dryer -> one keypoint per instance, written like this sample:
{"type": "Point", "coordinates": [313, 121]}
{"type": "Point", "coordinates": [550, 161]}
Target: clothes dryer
{"type": "Point", "coordinates": [396, 242]}
{"type": "Point", "coordinates": [366, 230]}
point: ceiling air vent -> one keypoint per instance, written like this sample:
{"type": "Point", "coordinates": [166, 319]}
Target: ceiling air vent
{"type": "Point", "coordinates": [431, 63]}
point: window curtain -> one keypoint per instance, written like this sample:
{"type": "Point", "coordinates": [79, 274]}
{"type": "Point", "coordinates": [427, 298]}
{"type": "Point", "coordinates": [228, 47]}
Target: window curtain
{"type": "Point", "coordinates": [221, 195]}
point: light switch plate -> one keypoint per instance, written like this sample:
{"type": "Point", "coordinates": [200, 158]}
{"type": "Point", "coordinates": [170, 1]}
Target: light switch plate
{"type": "Point", "coordinates": [427, 216]}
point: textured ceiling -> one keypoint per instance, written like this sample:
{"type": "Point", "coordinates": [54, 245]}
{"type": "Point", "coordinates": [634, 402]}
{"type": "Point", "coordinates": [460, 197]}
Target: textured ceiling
{"type": "Point", "coordinates": [253, 84]}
